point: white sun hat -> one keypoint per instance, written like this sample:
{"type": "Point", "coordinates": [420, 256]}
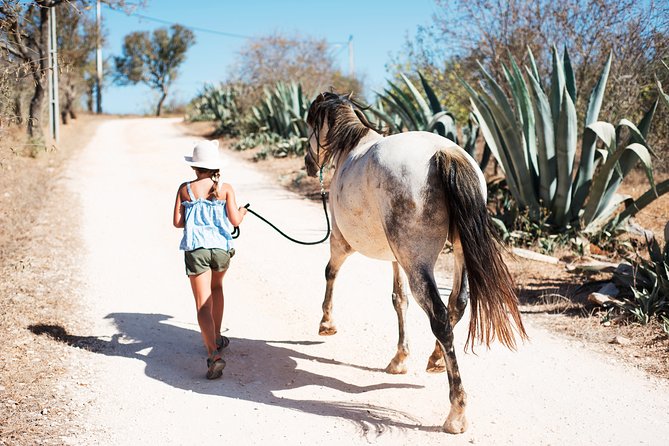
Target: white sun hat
{"type": "Point", "coordinates": [205, 155]}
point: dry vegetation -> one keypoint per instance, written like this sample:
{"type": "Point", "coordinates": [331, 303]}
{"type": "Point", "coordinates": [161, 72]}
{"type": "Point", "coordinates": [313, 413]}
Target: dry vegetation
{"type": "Point", "coordinates": [550, 295]}
{"type": "Point", "coordinates": [38, 262]}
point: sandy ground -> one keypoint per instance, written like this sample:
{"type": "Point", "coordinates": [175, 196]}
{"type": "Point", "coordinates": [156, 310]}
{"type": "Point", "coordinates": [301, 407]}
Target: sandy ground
{"type": "Point", "coordinates": [284, 384]}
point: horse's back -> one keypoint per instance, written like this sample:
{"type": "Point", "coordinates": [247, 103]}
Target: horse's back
{"type": "Point", "coordinates": [388, 196]}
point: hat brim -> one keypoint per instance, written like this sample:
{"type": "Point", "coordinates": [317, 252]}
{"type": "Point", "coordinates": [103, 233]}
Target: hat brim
{"type": "Point", "coordinates": [212, 165]}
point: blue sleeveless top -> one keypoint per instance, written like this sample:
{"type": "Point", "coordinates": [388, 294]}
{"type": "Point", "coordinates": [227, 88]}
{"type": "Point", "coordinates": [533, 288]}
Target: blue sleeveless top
{"type": "Point", "coordinates": [206, 224]}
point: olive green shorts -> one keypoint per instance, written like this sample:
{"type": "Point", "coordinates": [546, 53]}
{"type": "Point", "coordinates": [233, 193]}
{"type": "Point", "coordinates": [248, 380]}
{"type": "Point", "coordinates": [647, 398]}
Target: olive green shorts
{"type": "Point", "coordinates": [201, 260]}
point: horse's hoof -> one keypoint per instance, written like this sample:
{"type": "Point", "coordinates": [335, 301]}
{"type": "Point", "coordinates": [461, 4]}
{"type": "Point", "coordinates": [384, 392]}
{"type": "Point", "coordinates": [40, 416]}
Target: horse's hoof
{"type": "Point", "coordinates": [456, 426]}
{"type": "Point", "coordinates": [325, 330]}
{"type": "Point", "coordinates": [436, 365]}
{"type": "Point", "coordinates": [396, 369]}
{"type": "Point", "coordinates": [434, 368]}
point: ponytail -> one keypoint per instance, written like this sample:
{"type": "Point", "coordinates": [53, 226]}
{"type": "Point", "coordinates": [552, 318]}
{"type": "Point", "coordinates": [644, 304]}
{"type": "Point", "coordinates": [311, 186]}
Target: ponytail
{"type": "Point", "coordinates": [215, 176]}
{"type": "Point", "coordinates": [215, 189]}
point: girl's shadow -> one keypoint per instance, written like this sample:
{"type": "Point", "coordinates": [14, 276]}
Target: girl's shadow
{"type": "Point", "coordinates": [256, 369]}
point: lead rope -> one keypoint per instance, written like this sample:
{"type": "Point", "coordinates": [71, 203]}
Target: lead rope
{"type": "Point", "coordinates": [236, 231]}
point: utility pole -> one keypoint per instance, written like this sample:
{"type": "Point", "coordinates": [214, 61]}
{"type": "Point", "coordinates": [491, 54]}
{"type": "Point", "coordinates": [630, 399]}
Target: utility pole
{"type": "Point", "coordinates": [98, 60]}
{"type": "Point", "coordinates": [54, 118]}
{"type": "Point", "coordinates": [351, 66]}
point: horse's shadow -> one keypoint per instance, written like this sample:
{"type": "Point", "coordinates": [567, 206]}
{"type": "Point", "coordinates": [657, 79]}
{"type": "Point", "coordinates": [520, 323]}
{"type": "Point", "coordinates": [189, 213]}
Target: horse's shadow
{"type": "Point", "coordinates": [256, 369]}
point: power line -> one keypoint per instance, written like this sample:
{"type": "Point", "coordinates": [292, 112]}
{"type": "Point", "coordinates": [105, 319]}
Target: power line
{"type": "Point", "coordinates": [197, 28]}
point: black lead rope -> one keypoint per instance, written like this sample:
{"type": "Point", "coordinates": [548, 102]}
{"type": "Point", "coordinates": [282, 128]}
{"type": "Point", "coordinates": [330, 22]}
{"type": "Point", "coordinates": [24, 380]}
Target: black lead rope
{"type": "Point", "coordinates": [236, 231]}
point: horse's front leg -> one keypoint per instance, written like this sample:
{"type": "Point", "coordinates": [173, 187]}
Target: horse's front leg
{"type": "Point", "coordinates": [339, 251]}
{"type": "Point", "coordinates": [457, 302]}
{"type": "Point", "coordinates": [400, 302]}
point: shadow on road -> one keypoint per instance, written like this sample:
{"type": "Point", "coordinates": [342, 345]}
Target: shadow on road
{"type": "Point", "coordinates": [256, 369]}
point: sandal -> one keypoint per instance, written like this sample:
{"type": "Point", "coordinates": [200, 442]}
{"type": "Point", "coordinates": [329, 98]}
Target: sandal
{"type": "Point", "coordinates": [215, 366]}
{"type": "Point", "coordinates": [222, 342]}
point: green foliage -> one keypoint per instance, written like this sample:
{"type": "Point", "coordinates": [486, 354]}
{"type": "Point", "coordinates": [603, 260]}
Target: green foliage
{"type": "Point", "coordinates": [153, 59]}
{"type": "Point", "coordinates": [219, 104]}
{"type": "Point", "coordinates": [404, 108]}
{"type": "Point", "coordinates": [533, 134]}
{"type": "Point", "coordinates": [516, 228]}
{"type": "Point", "coordinates": [271, 144]}
{"type": "Point", "coordinates": [648, 281]}
{"type": "Point", "coordinates": [281, 119]}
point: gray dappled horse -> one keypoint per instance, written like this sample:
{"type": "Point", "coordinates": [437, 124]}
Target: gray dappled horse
{"type": "Point", "coordinates": [399, 198]}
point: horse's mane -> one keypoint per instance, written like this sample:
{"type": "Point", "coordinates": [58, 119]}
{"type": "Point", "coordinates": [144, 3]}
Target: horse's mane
{"type": "Point", "coordinates": [347, 123]}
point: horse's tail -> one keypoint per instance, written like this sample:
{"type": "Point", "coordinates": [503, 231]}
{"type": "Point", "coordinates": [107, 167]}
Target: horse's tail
{"type": "Point", "coordinates": [491, 291]}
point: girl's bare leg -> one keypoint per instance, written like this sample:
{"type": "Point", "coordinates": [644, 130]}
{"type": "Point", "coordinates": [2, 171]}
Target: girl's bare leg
{"type": "Point", "coordinates": [217, 299]}
{"type": "Point", "coordinates": [201, 285]}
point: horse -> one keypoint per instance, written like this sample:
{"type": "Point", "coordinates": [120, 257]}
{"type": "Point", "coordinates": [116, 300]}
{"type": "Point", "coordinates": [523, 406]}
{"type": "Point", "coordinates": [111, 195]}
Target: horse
{"type": "Point", "coordinates": [400, 198]}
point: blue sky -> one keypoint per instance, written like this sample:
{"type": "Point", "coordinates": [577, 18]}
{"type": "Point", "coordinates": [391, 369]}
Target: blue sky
{"type": "Point", "coordinates": [378, 27]}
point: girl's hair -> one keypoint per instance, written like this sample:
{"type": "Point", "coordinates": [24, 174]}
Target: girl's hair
{"type": "Point", "coordinates": [215, 175]}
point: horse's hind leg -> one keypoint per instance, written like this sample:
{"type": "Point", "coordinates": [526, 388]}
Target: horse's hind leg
{"type": "Point", "coordinates": [457, 302]}
{"type": "Point", "coordinates": [425, 290]}
{"type": "Point", "coordinates": [339, 251]}
{"type": "Point", "coordinates": [400, 302]}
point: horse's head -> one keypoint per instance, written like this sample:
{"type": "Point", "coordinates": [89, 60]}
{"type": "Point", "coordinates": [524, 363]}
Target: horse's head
{"type": "Point", "coordinates": [336, 123]}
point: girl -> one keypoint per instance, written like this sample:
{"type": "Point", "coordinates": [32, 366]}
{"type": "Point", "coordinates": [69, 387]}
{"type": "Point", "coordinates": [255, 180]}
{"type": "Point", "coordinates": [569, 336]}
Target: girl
{"type": "Point", "coordinates": [207, 211]}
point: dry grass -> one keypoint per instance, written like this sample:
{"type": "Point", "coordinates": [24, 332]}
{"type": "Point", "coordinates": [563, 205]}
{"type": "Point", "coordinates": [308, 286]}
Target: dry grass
{"type": "Point", "coordinates": [550, 295]}
{"type": "Point", "coordinates": [38, 261]}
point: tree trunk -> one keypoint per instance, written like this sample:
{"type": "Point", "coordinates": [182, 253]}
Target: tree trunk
{"type": "Point", "coordinates": [159, 109]}
{"type": "Point", "coordinates": [35, 110]}
{"type": "Point", "coordinates": [39, 68]}
{"type": "Point", "coordinates": [89, 99]}
{"type": "Point", "coordinates": [67, 106]}
{"type": "Point", "coordinates": [18, 109]}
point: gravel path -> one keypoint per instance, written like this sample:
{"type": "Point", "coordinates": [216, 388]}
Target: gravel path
{"type": "Point", "coordinates": [285, 385]}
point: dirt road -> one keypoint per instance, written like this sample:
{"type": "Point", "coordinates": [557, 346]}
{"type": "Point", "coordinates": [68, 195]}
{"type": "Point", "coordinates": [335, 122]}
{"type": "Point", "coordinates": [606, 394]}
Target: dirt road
{"type": "Point", "coordinates": [285, 385]}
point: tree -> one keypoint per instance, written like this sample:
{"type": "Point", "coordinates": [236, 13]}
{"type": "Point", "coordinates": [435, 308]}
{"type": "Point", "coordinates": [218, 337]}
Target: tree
{"type": "Point", "coordinates": [278, 58]}
{"type": "Point", "coordinates": [25, 40]}
{"type": "Point", "coordinates": [76, 45]}
{"type": "Point", "coordinates": [154, 59]}
{"type": "Point", "coordinates": [24, 29]}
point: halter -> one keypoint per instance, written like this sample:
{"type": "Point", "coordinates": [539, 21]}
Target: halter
{"type": "Point", "coordinates": [316, 133]}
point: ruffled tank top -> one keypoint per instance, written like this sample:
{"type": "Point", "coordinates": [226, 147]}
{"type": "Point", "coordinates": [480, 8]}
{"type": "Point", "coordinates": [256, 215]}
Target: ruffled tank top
{"type": "Point", "coordinates": [206, 224]}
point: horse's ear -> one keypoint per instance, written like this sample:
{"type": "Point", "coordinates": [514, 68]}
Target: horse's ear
{"type": "Point", "coordinates": [349, 96]}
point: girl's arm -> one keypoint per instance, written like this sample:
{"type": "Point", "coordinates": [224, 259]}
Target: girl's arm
{"type": "Point", "coordinates": [178, 217]}
{"type": "Point", "coordinates": [235, 214]}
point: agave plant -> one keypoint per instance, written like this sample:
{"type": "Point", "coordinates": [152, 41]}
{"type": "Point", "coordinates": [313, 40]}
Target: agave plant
{"type": "Point", "coordinates": [663, 95]}
{"type": "Point", "coordinates": [648, 282]}
{"type": "Point", "coordinates": [219, 104]}
{"type": "Point", "coordinates": [534, 136]}
{"type": "Point", "coordinates": [283, 111]}
{"type": "Point", "coordinates": [406, 109]}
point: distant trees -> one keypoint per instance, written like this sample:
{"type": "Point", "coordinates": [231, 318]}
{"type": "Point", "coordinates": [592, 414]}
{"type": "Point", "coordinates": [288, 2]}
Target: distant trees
{"type": "Point", "coordinates": [76, 46]}
{"type": "Point", "coordinates": [153, 59]}
{"type": "Point", "coordinates": [270, 59]}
